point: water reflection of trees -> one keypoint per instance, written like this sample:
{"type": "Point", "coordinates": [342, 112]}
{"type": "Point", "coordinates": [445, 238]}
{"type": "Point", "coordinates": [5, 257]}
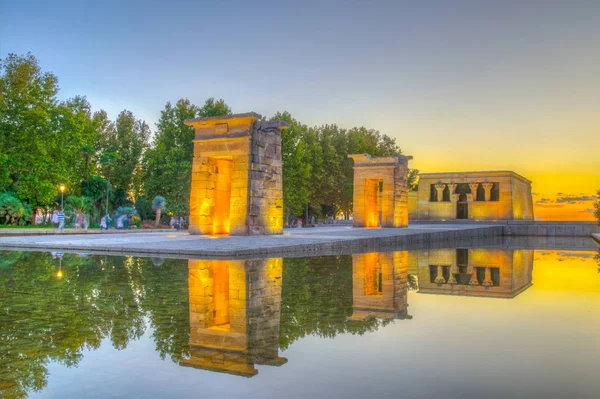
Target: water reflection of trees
{"type": "Point", "coordinates": [100, 299]}
{"type": "Point", "coordinates": [317, 299]}
{"type": "Point", "coordinates": [43, 319]}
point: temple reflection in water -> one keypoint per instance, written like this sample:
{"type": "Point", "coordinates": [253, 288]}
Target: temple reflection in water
{"type": "Point", "coordinates": [380, 285]}
{"type": "Point", "coordinates": [501, 273]}
{"type": "Point", "coordinates": [235, 309]}
{"type": "Point", "coordinates": [235, 305]}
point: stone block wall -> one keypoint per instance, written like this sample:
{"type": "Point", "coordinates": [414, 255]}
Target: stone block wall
{"type": "Point", "coordinates": [514, 203]}
{"type": "Point", "coordinates": [236, 176]}
{"type": "Point", "coordinates": [390, 208]}
{"type": "Point", "coordinates": [265, 213]}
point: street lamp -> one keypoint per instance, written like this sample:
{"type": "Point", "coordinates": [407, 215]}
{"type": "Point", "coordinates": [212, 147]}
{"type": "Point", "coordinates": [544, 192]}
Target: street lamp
{"type": "Point", "coordinates": [62, 191]}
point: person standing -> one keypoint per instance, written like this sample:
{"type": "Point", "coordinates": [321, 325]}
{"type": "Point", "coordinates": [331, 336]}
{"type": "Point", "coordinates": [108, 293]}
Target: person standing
{"type": "Point", "coordinates": [86, 221]}
{"type": "Point", "coordinates": [54, 219]}
{"type": "Point", "coordinates": [107, 220]}
{"type": "Point", "coordinates": [61, 220]}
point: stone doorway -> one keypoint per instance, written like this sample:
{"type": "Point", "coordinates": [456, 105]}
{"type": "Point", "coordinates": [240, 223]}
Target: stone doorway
{"type": "Point", "coordinates": [373, 188]}
{"type": "Point", "coordinates": [222, 196]}
{"type": "Point", "coordinates": [462, 207]}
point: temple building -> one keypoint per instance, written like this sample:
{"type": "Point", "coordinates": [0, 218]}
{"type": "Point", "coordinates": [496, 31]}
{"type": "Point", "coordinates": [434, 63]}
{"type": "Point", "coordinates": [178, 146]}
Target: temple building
{"type": "Point", "coordinates": [235, 311]}
{"type": "Point", "coordinates": [380, 285]}
{"type": "Point", "coordinates": [493, 195]}
{"type": "Point", "coordinates": [485, 272]}
{"type": "Point", "coordinates": [236, 176]}
{"type": "Point", "coordinates": [380, 196]}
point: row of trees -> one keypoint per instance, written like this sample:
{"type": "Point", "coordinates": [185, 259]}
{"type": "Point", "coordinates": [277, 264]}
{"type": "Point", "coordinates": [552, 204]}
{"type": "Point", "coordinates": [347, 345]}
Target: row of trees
{"type": "Point", "coordinates": [47, 142]}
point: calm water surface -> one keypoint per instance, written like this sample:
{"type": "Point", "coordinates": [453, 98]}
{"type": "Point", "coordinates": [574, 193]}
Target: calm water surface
{"type": "Point", "coordinates": [476, 322]}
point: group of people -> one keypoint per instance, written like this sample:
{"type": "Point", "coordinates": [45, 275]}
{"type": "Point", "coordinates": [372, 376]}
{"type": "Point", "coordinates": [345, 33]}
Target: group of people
{"type": "Point", "coordinates": [121, 222]}
{"type": "Point", "coordinates": [58, 220]}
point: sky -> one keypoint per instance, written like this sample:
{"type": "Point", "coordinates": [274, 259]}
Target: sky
{"type": "Point", "coordinates": [461, 85]}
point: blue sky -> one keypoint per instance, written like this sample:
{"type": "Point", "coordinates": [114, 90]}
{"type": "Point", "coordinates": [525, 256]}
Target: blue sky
{"type": "Point", "coordinates": [460, 84]}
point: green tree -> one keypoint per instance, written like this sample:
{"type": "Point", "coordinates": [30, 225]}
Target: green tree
{"type": "Point", "coordinates": [295, 154]}
{"type": "Point", "coordinates": [158, 205]}
{"type": "Point", "coordinates": [131, 140]}
{"type": "Point", "coordinates": [214, 107]}
{"type": "Point", "coordinates": [87, 151]}
{"type": "Point", "coordinates": [108, 161]}
{"type": "Point", "coordinates": [167, 165]}
{"type": "Point", "coordinates": [413, 179]}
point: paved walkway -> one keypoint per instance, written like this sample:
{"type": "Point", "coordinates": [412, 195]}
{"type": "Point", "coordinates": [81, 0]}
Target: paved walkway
{"type": "Point", "coordinates": [294, 242]}
{"type": "Point", "coordinates": [596, 237]}
{"type": "Point", "coordinates": [53, 231]}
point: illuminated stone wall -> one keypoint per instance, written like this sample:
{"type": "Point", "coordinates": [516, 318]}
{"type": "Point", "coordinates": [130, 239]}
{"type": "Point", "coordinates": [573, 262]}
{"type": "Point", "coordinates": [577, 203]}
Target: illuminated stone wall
{"type": "Point", "coordinates": [236, 176]}
{"type": "Point", "coordinates": [380, 285]}
{"type": "Point", "coordinates": [380, 191]}
{"type": "Point", "coordinates": [235, 310]}
{"type": "Point", "coordinates": [501, 273]}
{"type": "Point", "coordinates": [514, 200]}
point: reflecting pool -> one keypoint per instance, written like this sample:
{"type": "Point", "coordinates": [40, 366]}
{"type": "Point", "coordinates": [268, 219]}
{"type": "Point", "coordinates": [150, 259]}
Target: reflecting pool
{"type": "Point", "coordinates": [450, 322]}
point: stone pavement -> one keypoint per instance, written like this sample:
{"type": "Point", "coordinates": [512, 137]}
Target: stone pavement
{"type": "Point", "coordinates": [596, 237]}
{"type": "Point", "coordinates": [294, 242]}
{"type": "Point", "coordinates": [53, 231]}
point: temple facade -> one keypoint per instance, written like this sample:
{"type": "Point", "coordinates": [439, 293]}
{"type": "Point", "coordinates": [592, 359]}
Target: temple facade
{"type": "Point", "coordinates": [236, 176]}
{"type": "Point", "coordinates": [380, 196]}
{"type": "Point", "coordinates": [492, 195]}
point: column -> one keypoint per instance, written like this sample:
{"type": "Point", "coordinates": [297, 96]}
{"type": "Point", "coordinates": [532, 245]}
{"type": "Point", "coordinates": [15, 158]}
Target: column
{"type": "Point", "coordinates": [471, 197]}
{"type": "Point", "coordinates": [439, 279]}
{"type": "Point", "coordinates": [488, 190]}
{"type": "Point", "coordinates": [487, 281]}
{"type": "Point", "coordinates": [440, 191]}
{"type": "Point", "coordinates": [453, 272]}
{"type": "Point", "coordinates": [453, 197]}
{"type": "Point", "coordinates": [473, 280]}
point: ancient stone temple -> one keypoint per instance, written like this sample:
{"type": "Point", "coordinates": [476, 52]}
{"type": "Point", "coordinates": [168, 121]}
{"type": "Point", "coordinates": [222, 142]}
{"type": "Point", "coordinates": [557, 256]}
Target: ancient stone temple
{"type": "Point", "coordinates": [487, 272]}
{"type": "Point", "coordinates": [236, 176]}
{"type": "Point", "coordinates": [235, 310]}
{"type": "Point", "coordinates": [492, 195]}
{"type": "Point", "coordinates": [380, 285]}
{"type": "Point", "coordinates": [380, 191]}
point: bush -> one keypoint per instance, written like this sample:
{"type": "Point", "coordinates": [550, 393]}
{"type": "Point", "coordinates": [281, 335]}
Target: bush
{"type": "Point", "coordinates": [13, 211]}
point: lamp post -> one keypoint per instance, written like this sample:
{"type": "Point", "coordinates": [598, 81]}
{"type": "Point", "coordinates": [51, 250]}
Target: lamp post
{"type": "Point", "coordinates": [62, 191]}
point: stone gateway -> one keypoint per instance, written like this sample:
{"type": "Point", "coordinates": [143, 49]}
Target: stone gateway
{"type": "Point", "coordinates": [236, 176]}
{"type": "Point", "coordinates": [380, 191]}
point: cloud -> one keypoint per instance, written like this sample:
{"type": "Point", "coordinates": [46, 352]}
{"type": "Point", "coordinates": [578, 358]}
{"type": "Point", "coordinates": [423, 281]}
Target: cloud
{"type": "Point", "coordinates": [544, 201]}
{"type": "Point", "coordinates": [575, 199]}
{"type": "Point", "coordinates": [590, 210]}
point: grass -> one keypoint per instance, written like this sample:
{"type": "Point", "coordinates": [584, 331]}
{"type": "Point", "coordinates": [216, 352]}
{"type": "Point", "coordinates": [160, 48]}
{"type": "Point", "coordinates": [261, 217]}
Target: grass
{"type": "Point", "coordinates": [9, 226]}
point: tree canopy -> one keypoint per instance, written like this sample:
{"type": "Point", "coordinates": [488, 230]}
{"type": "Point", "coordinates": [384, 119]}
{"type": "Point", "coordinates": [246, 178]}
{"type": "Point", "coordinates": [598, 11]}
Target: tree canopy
{"type": "Point", "coordinates": [47, 142]}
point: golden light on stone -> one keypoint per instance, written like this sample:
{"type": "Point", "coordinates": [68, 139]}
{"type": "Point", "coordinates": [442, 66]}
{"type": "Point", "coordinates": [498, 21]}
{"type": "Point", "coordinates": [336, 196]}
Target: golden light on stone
{"type": "Point", "coordinates": [380, 191]}
{"type": "Point", "coordinates": [237, 184]}
{"type": "Point", "coordinates": [380, 285]}
{"type": "Point", "coordinates": [475, 196]}
{"type": "Point", "coordinates": [235, 310]}
{"type": "Point", "coordinates": [503, 273]}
